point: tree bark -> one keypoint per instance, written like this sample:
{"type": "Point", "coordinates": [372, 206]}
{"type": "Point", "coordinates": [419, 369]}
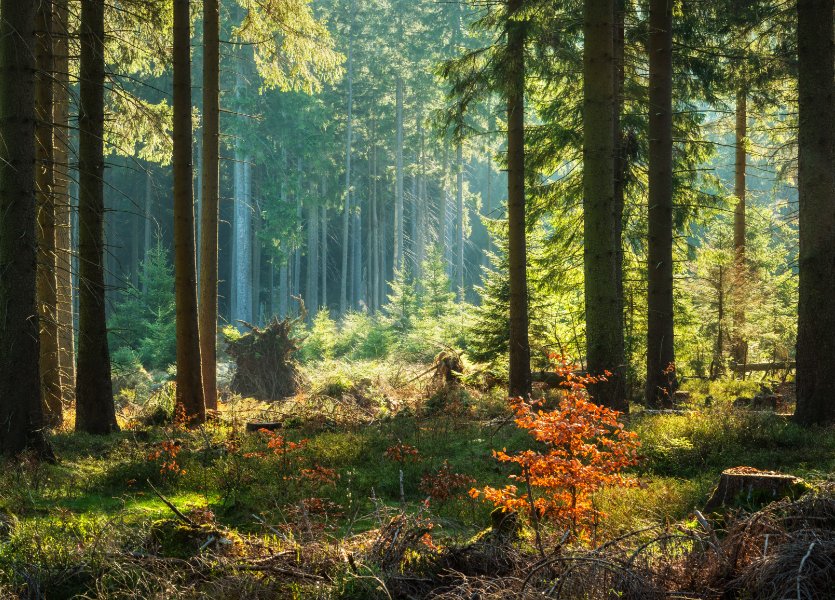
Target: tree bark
{"type": "Point", "coordinates": [604, 332]}
{"type": "Point", "coordinates": [63, 236]}
{"type": "Point", "coordinates": [95, 412]}
{"type": "Point", "coordinates": [45, 199]}
{"type": "Point", "coordinates": [740, 347]}
{"type": "Point", "coordinates": [346, 201]}
{"type": "Point", "coordinates": [816, 184]}
{"type": "Point", "coordinates": [210, 186]}
{"type": "Point", "coordinates": [189, 370]}
{"type": "Point", "coordinates": [324, 254]}
{"type": "Point", "coordinates": [398, 185]}
{"type": "Point", "coordinates": [660, 350]}
{"type": "Point", "coordinates": [21, 411]}
{"type": "Point", "coordinates": [312, 296]}
{"type": "Point", "coordinates": [520, 353]}
{"type": "Point", "coordinates": [459, 222]}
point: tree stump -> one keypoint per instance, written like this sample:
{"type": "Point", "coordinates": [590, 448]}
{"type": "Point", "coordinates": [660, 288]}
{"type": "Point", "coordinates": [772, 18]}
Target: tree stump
{"type": "Point", "coordinates": [750, 486]}
{"type": "Point", "coordinates": [266, 369]}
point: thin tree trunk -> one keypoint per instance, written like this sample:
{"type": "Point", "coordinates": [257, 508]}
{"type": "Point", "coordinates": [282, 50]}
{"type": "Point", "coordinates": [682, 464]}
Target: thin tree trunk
{"type": "Point", "coordinates": [324, 254]}
{"type": "Point", "coordinates": [209, 213]}
{"type": "Point", "coordinates": [661, 380]}
{"type": "Point", "coordinates": [375, 224]}
{"type": "Point", "coordinates": [63, 213]}
{"type": "Point", "coordinates": [739, 347]}
{"type": "Point", "coordinates": [420, 204]}
{"type": "Point", "coordinates": [149, 220]}
{"type": "Point", "coordinates": [460, 217]}
{"type": "Point", "coordinates": [44, 183]}
{"type": "Point", "coordinates": [346, 202]}
{"type": "Point", "coordinates": [816, 183]}
{"type": "Point", "coordinates": [21, 411]}
{"type": "Point", "coordinates": [297, 254]}
{"type": "Point", "coordinates": [398, 192]}
{"type": "Point", "coordinates": [313, 260]}
{"type": "Point", "coordinates": [283, 292]}
{"type": "Point", "coordinates": [442, 210]}
{"type": "Point", "coordinates": [359, 297]}
{"type": "Point", "coordinates": [604, 334]}
{"type": "Point", "coordinates": [189, 368]}
{"type": "Point", "coordinates": [243, 238]}
{"type": "Point", "coordinates": [95, 411]}
{"type": "Point", "coordinates": [519, 371]}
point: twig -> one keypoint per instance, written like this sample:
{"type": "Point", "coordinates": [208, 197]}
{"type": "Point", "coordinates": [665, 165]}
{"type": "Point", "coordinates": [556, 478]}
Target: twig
{"type": "Point", "coordinates": [534, 514]}
{"type": "Point", "coordinates": [800, 568]}
{"type": "Point", "coordinates": [173, 508]}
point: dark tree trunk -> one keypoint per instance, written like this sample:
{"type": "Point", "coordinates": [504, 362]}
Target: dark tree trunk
{"type": "Point", "coordinates": [189, 371]}
{"type": "Point", "coordinates": [519, 347]}
{"type": "Point", "coordinates": [21, 412]}
{"type": "Point", "coordinates": [45, 200]}
{"type": "Point", "coordinates": [95, 411]}
{"type": "Point", "coordinates": [604, 331]}
{"type": "Point", "coordinates": [210, 186]}
{"type": "Point", "coordinates": [660, 350]}
{"type": "Point", "coordinates": [740, 348]}
{"type": "Point", "coordinates": [816, 183]}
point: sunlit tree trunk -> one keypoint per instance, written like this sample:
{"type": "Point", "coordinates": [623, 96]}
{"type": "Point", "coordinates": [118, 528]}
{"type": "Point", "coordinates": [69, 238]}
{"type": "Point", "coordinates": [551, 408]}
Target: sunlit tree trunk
{"type": "Point", "coordinates": [243, 236]}
{"type": "Point", "coordinates": [621, 168]}
{"type": "Point", "coordinates": [44, 187]}
{"type": "Point", "coordinates": [63, 213]}
{"type": "Point", "coordinates": [210, 194]}
{"type": "Point", "coordinates": [739, 347]}
{"type": "Point", "coordinates": [661, 379]}
{"type": "Point", "coordinates": [398, 191]}
{"type": "Point", "coordinates": [189, 369]}
{"type": "Point", "coordinates": [324, 253]}
{"type": "Point", "coordinates": [460, 218]}
{"type": "Point", "coordinates": [297, 252]}
{"type": "Point", "coordinates": [442, 210]}
{"type": "Point", "coordinates": [95, 411]}
{"type": "Point", "coordinates": [816, 184]}
{"type": "Point", "coordinates": [21, 412]}
{"type": "Point", "coordinates": [346, 200]}
{"type": "Point", "coordinates": [420, 204]}
{"type": "Point", "coordinates": [359, 295]}
{"type": "Point", "coordinates": [376, 267]}
{"type": "Point", "coordinates": [149, 222]}
{"type": "Point", "coordinates": [519, 371]}
{"type": "Point", "coordinates": [604, 334]}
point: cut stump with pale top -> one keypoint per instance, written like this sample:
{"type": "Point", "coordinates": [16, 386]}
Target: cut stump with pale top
{"type": "Point", "coordinates": [750, 486]}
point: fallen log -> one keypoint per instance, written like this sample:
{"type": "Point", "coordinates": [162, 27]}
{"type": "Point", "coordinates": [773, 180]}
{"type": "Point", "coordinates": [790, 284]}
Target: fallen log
{"type": "Point", "coordinates": [268, 425]}
{"type": "Point", "coordinates": [764, 366]}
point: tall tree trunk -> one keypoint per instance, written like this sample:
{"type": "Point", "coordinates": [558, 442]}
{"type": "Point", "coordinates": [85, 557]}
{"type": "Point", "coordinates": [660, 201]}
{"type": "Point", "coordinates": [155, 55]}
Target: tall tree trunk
{"type": "Point", "coordinates": [324, 254]}
{"type": "Point", "coordinates": [359, 296]}
{"type": "Point", "coordinates": [740, 347]}
{"type": "Point", "coordinates": [209, 209]}
{"type": "Point", "coordinates": [420, 204]}
{"type": "Point", "coordinates": [661, 380]}
{"type": "Point", "coordinates": [346, 201]}
{"type": "Point", "coordinates": [442, 210]}
{"type": "Point", "coordinates": [621, 174]}
{"type": "Point", "coordinates": [44, 187]}
{"type": "Point", "coordinates": [313, 260]}
{"type": "Point", "coordinates": [63, 213]}
{"type": "Point", "coordinates": [375, 225]}
{"type": "Point", "coordinates": [21, 411]}
{"type": "Point", "coordinates": [283, 292]}
{"type": "Point", "coordinates": [243, 237]}
{"type": "Point", "coordinates": [459, 222]}
{"type": "Point", "coordinates": [520, 352]}
{"type": "Point", "coordinates": [816, 184]}
{"type": "Point", "coordinates": [95, 411]}
{"type": "Point", "coordinates": [297, 253]}
{"type": "Point", "coordinates": [189, 368]}
{"type": "Point", "coordinates": [257, 250]}
{"type": "Point", "coordinates": [398, 189]}
{"type": "Point", "coordinates": [604, 334]}
{"type": "Point", "coordinates": [149, 222]}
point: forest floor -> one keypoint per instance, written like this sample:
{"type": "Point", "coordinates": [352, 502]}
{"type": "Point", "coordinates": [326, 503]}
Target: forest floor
{"type": "Point", "coordinates": [338, 502]}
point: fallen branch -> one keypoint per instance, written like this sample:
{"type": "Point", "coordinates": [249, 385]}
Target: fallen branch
{"type": "Point", "coordinates": [173, 508]}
